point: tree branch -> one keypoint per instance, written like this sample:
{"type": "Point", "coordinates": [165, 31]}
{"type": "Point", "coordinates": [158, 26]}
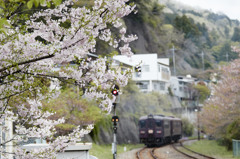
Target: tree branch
{"type": "Point", "coordinates": [13, 94]}
{"type": "Point", "coordinates": [66, 47]}
{"type": "Point", "coordinates": [42, 75]}
{"type": "Point", "coordinates": [27, 62]}
{"type": "Point", "coordinates": [5, 107]}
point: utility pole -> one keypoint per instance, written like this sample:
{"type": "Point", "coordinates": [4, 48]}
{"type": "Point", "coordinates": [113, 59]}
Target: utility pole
{"type": "Point", "coordinates": [198, 124]}
{"type": "Point", "coordinates": [174, 68]}
{"type": "Point", "coordinates": [227, 56]}
{"type": "Point", "coordinates": [203, 60]}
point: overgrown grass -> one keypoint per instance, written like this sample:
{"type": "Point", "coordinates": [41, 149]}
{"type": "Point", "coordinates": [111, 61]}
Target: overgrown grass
{"type": "Point", "coordinates": [105, 151]}
{"type": "Point", "coordinates": [211, 148]}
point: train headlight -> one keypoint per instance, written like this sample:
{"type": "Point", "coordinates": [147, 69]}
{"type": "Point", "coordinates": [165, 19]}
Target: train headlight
{"type": "Point", "coordinates": [150, 131]}
{"type": "Point", "coordinates": [142, 132]}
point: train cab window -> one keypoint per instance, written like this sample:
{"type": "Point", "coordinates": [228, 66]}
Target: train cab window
{"type": "Point", "coordinates": [177, 124]}
{"type": "Point", "coordinates": [166, 124]}
{"type": "Point", "coordinates": [142, 124]}
{"type": "Point", "coordinates": [158, 124]}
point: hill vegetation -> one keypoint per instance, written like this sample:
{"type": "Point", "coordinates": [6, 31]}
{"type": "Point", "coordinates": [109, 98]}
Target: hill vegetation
{"type": "Point", "coordinates": [162, 25]}
{"type": "Point", "coordinates": [159, 27]}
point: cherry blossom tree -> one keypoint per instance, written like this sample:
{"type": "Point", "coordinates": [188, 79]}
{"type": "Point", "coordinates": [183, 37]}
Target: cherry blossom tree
{"type": "Point", "coordinates": [32, 49]}
{"type": "Point", "coordinates": [223, 108]}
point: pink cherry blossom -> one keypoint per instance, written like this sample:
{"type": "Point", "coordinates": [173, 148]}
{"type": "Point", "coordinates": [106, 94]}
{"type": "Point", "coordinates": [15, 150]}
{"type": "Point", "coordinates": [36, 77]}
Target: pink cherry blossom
{"type": "Point", "coordinates": [25, 58]}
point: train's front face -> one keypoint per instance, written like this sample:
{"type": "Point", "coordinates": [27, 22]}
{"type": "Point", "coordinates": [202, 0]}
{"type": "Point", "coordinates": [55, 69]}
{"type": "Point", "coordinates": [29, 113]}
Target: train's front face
{"type": "Point", "coordinates": [150, 130]}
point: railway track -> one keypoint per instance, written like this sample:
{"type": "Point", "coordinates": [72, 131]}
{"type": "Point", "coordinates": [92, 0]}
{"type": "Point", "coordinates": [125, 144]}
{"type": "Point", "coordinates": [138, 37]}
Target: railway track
{"type": "Point", "coordinates": [189, 153]}
{"type": "Point", "coordinates": [150, 153]}
{"type": "Point", "coordinates": [146, 153]}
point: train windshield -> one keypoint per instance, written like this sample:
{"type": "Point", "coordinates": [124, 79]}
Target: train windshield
{"type": "Point", "coordinates": [158, 124]}
{"type": "Point", "coordinates": [142, 123]}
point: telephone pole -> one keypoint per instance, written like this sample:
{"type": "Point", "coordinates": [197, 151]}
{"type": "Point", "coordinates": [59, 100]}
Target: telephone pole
{"type": "Point", "coordinates": [202, 54]}
{"type": "Point", "coordinates": [227, 56]}
{"type": "Point", "coordinates": [174, 68]}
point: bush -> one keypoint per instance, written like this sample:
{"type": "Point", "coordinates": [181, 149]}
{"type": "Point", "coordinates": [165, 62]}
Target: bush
{"type": "Point", "coordinates": [187, 127]}
{"type": "Point", "coordinates": [232, 132]}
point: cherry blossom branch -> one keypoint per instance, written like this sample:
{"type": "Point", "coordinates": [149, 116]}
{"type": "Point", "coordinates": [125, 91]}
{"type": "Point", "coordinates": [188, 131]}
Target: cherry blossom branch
{"type": "Point", "coordinates": [5, 107]}
{"type": "Point", "coordinates": [16, 11]}
{"type": "Point", "coordinates": [27, 62]}
{"type": "Point", "coordinates": [14, 94]}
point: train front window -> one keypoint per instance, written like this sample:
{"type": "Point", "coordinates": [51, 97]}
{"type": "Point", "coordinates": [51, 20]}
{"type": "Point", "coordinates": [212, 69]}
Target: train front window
{"type": "Point", "coordinates": [142, 124]}
{"type": "Point", "coordinates": [158, 124]}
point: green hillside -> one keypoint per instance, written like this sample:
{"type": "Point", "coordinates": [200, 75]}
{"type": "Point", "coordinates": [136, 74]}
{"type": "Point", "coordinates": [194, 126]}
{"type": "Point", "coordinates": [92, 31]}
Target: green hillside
{"type": "Point", "coordinates": [160, 25]}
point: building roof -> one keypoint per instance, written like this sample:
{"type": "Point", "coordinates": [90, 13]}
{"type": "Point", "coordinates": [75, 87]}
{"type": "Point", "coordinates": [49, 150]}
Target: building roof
{"type": "Point", "coordinates": [141, 59]}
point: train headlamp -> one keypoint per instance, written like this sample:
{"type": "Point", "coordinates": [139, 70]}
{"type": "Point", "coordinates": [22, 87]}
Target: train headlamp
{"type": "Point", "coordinates": [142, 132]}
{"type": "Point", "coordinates": [159, 132]}
{"type": "Point", "coordinates": [150, 131]}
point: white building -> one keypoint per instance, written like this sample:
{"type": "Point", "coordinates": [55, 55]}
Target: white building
{"type": "Point", "coordinates": [155, 73]}
{"type": "Point", "coordinates": [6, 136]}
{"type": "Point", "coordinates": [76, 151]}
{"type": "Point", "coordinates": [180, 86]}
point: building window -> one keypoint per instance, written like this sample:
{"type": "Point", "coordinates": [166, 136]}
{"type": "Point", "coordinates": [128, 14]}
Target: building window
{"type": "Point", "coordinates": [165, 70]}
{"type": "Point", "coordinates": [145, 68]}
{"type": "Point", "coordinates": [180, 89]}
{"type": "Point", "coordinates": [162, 86]}
{"type": "Point", "coordinates": [142, 85]}
{"type": "Point", "coordinates": [138, 74]}
{"type": "Point", "coordinates": [158, 86]}
{"type": "Point", "coordinates": [165, 73]}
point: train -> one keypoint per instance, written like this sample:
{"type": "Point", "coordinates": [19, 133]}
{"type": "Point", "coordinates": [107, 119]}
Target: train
{"type": "Point", "coordinates": [155, 130]}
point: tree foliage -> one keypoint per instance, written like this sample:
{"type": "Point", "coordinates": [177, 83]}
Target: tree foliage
{"type": "Point", "coordinates": [75, 110]}
{"type": "Point", "coordinates": [187, 127]}
{"type": "Point", "coordinates": [187, 26]}
{"type": "Point", "coordinates": [148, 12]}
{"type": "Point", "coordinates": [37, 38]}
{"type": "Point", "coordinates": [136, 103]}
{"type": "Point", "coordinates": [202, 92]}
{"type": "Point", "coordinates": [221, 113]}
{"type": "Point", "coordinates": [236, 34]}
{"type": "Point", "coordinates": [223, 52]}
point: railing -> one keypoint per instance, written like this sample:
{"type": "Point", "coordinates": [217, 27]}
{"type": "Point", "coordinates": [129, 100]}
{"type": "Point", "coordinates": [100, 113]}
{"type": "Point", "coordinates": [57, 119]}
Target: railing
{"type": "Point", "coordinates": [236, 148]}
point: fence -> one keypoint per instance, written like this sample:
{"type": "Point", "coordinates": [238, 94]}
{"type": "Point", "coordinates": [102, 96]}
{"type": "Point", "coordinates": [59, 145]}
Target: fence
{"type": "Point", "coordinates": [236, 148]}
{"type": "Point", "coordinates": [77, 151]}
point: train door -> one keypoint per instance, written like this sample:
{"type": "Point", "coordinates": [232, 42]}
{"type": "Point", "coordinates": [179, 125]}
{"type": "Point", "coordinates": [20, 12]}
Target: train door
{"type": "Point", "coordinates": [167, 131]}
{"type": "Point", "coordinates": [150, 125]}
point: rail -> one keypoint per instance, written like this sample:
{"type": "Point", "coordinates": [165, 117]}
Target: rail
{"type": "Point", "coordinates": [186, 154]}
{"type": "Point", "coordinates": [138, 153]}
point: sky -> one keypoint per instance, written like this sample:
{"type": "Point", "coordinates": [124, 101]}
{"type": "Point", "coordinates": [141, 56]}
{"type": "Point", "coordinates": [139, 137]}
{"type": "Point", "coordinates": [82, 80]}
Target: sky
{"type": "Point", "coordinates": [229, 7]}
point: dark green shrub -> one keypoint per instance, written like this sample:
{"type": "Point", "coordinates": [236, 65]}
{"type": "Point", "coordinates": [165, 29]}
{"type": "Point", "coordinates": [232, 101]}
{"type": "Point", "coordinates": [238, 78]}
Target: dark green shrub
{"type": "Point", "coordinates": [232, 132]}
{"type": "Point", "coordinates": [187, 127]}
